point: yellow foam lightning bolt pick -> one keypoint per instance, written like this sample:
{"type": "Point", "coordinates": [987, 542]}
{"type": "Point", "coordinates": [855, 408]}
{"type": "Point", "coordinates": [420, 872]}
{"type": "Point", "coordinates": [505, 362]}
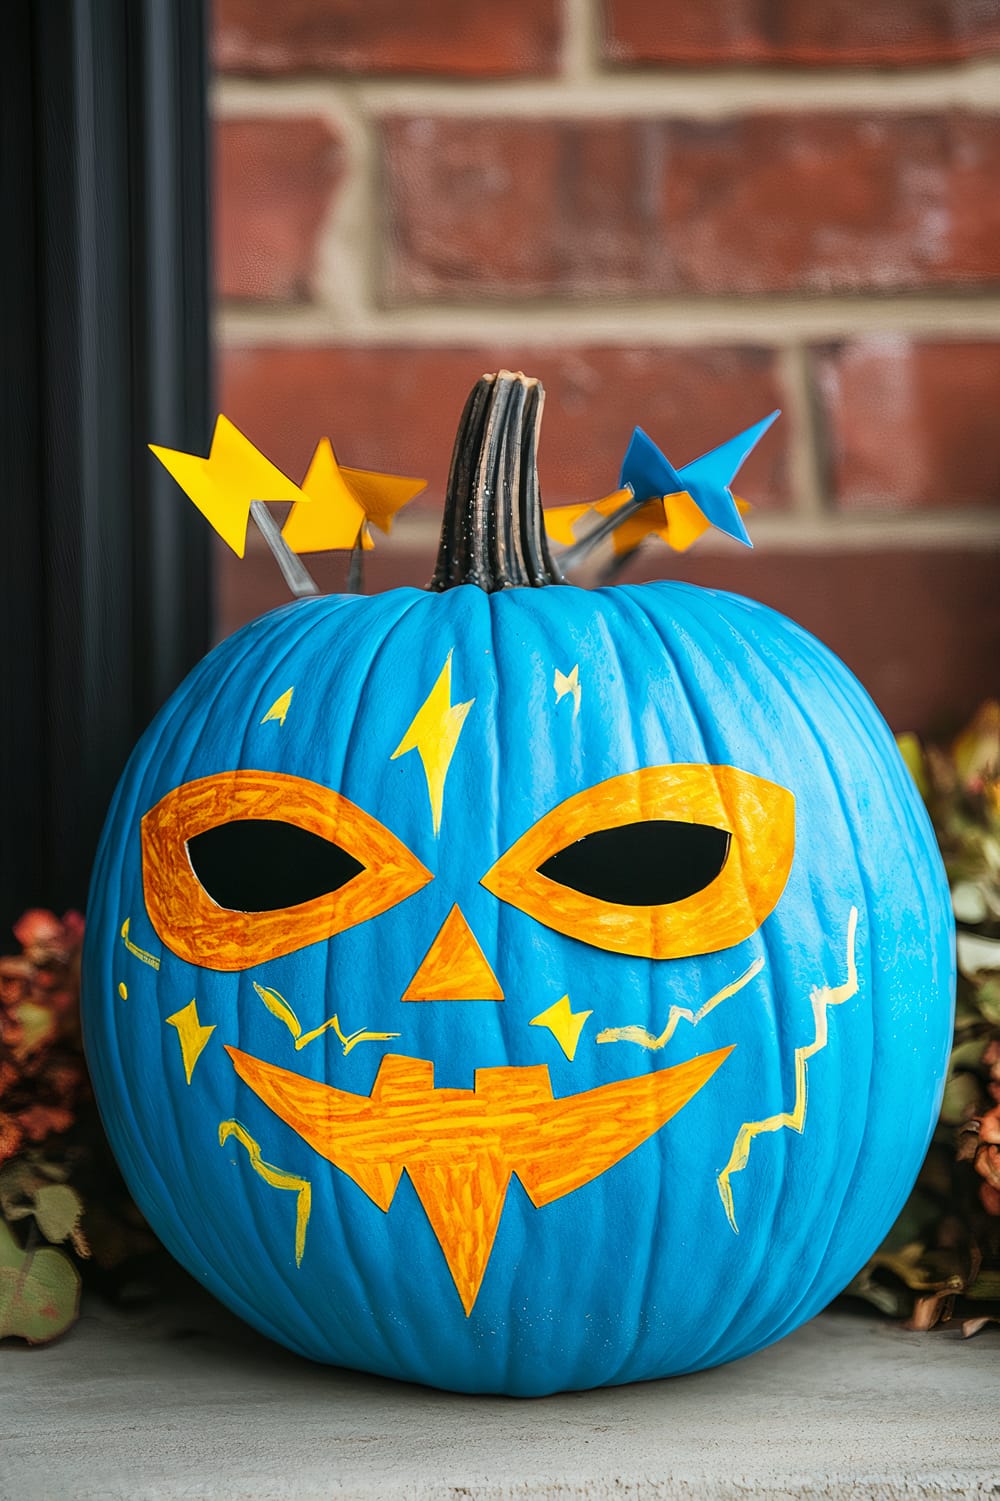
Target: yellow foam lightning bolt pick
{"type": "Point", "coordinates": [223, 485]}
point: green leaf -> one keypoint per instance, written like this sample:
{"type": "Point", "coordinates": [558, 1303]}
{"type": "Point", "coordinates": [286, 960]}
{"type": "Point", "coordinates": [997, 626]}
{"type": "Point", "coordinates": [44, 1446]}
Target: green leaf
{"type": "Point", "coordinates": [39, 1291]}
{"type": "Point", "coordinates": [962, 1097]}
{"type": "Point", "coordinates": [987, 997]}
{"type": "Point", "coordinates": [18, 1181]}
{"type": "Point", "coordinates": [968, 902]}
{"type": "Point", "coordinates": [38, 1026]}
{"type": "Point", "coordinates": [968, 1054]}
{"type": "Point", "coordinates": [912, 753]}
{"type": "Point", "coordinates": [986, 1285]}
{"type": "Point", "coordinates": [58, 1210]}
{"type": "Point", "coordinates": [977, 954]}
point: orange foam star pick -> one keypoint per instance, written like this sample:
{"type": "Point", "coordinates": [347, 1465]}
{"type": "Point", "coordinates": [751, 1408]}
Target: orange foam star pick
{"type": "Point", "coordinates": [342, 504]}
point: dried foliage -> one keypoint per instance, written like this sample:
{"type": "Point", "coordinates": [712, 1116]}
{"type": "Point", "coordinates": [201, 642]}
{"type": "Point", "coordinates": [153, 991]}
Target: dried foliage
{"type": "Point", "coordinates": [942, 1257]}
{"type": "Point", "coordinates": [62, 1203]}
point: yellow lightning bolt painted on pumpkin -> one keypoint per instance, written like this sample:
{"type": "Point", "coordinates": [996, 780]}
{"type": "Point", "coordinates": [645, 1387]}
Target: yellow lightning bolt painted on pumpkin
{"type": "Point", "coordinates": [679, 1014]}
{"type": "Point", "coordinates": [279, 709]}
{"type": "Point", "coordinates": [569, 683]}
{"type": "Point", "coordinates": [564, 1023]}
{"type": "Point", "coordinates": [433, 734]}
{"type": "Point", "coordinates": [277, 1178]}
{"type": "Point", "coordinates": [193, 1036]}
{"type": "Point", "coordinates": [279, 1007]}
{"type": "Point", "coordinates": [823, 997]}
{"type": "Point", "coordinates": [139, 953]}
{"type": "Point", "coordinates": [223, 485]}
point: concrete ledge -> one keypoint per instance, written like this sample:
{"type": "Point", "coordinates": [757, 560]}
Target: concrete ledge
{"type": "Point", "coordinates": [187, 1403]}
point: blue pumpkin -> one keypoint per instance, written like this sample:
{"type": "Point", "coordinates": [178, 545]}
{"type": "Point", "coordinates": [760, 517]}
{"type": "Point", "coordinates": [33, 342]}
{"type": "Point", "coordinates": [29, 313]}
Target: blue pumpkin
{"type": "Point", "coordinates": [517, 989]}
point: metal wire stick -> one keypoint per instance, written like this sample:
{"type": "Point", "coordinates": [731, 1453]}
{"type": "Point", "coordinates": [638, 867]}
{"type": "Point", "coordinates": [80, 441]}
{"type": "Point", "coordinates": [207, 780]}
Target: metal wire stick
{"type": "Point", "coordinates": [293, 570]}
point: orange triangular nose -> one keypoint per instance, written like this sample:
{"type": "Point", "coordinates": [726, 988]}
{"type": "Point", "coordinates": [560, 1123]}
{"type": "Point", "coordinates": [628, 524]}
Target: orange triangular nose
{"type": "Point", "coordinates": [454, 968]}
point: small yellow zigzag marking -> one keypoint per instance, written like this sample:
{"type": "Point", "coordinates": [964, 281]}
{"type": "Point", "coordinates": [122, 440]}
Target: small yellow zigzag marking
{"type": "Point", "coordinates": [279, 1007]}
{"type": "Point", "coordinates": [193, 1036]}
{"type": "Point", "coordinates": [433, 734]}
{"type": "Point", "coordinates": [823, 996]}
{"type": "Point", "coordinates": [569, 682]}
{"type": "Point", "coordinates": [146, 958]}
{"type": "Point", "coordinates": [277, 1178]}
{"type": "Point", "coordinates": [279, 709]}
{"type": "Point", "coordinates": [679, 1014]}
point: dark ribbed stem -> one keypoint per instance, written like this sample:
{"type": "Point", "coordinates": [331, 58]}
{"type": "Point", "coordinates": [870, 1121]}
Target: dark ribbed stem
{"type": "Point", "coordinates": [493, 532]}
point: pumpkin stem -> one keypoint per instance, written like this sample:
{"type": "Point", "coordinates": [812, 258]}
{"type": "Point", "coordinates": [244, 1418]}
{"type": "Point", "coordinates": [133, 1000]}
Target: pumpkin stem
{"type": "Point", "coordinates": [493, 533]}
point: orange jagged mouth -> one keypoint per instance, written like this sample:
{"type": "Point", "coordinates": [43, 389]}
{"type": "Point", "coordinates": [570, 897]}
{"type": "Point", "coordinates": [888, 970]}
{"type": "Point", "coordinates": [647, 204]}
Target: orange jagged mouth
{"type": "Point", "coordinates": [461, 1147]}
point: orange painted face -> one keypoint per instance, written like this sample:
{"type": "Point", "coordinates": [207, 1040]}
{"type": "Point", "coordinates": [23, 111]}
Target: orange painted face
{"type": "Point", "coordinates": [661, 863]}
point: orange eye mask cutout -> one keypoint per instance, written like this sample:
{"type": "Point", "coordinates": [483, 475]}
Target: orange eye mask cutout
{"type": "Point", "coordinates": [375, 870]}
{"type": "Point", "coordinates": [730, 836]}
{"type": "Point", "coordinates": [661, 863]}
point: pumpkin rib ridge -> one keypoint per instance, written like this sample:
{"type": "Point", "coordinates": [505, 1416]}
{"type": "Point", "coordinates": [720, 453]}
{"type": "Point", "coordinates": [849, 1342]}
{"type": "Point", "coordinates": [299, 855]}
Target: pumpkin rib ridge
{"type": "Point", "coordinates": [806, 645]}
{"type": "Point", "coordinates": [144, 1163]}
{"type": "Point", "coordinates": [628, 608]}
{"type": "Point", "coordinates": [700, 633]}
{"type": "Point", "coordinates": [766, 669]}
{"type": "Point", "coordinates": [809, 1299]}
{"type": "Point", "coordinates": [352, 1226]}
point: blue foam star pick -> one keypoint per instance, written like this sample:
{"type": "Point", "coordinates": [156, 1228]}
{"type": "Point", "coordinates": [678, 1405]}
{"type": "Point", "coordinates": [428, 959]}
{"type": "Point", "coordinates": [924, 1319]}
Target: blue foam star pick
{"type": "Point", "coordinates": [649, 474]}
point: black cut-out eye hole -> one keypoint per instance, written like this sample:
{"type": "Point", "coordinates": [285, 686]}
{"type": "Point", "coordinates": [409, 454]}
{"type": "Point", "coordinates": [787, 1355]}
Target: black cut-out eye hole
{"type": "Point", "coordinates": [646, 864]}
{"type": "Point", "coordinates": [264, 864]}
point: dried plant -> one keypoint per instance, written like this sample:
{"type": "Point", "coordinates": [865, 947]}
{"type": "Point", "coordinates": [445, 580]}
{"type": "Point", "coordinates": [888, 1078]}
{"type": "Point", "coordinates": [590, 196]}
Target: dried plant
{"type": "Point", "coordinates": [62, 1203]}
{"type": "Point", "coordinates": [942, 1257]}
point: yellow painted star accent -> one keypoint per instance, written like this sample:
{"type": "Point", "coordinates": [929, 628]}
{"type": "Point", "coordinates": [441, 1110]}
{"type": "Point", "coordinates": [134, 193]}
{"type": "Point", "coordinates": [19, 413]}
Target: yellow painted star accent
{"type": "Point", "coordinates": [223, 485]}
{"type": "Point", "coordinates": [433, 734]}
{"type": "Point", "coordinates": [343, 502]}
{"type": "Point", "coordinates": [193, 1036]}
{"type": "Point", "coordinates": [279, 709]}
{"type": "Point", "coordinates": [569, 683]}
{"type": "Point", "coordinates": [564, 1024]}
{"type": "Point", "coordinates": [822, 998]}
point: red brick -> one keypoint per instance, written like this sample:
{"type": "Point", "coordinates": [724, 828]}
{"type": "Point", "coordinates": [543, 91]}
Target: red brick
{"type": "Point", "coordinates": [912, 424]}
{"type": "Point", "coordinates": [823, 33]}
{"type": "Point", "coordinates": [274, 183]}
{"type": "Point", "coordinates": [477, 38]}
{"type": "Point", "coordinates": [920, 628]}
{"type": "Point", "coordinates": [397, 409]}
{"type": "Point", "coordinates": [763, 203]}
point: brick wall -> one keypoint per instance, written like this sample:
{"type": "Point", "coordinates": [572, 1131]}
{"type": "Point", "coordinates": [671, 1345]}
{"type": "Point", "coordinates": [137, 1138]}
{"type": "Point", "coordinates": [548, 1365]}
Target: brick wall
{"type": "Point", "coordinates": [678, 215]}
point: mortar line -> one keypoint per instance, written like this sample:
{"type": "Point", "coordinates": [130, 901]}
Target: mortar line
{"type": "Point", "coordinates": [349, 241]}
{"type": "Point", "coordinates": [709, 321]}
{"type": "Point", "coordinates": [579, 55]}
{"type": "Point", "coordinates": [804, 457]}
{"type": "Point", "coordinates": [709, 94]}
